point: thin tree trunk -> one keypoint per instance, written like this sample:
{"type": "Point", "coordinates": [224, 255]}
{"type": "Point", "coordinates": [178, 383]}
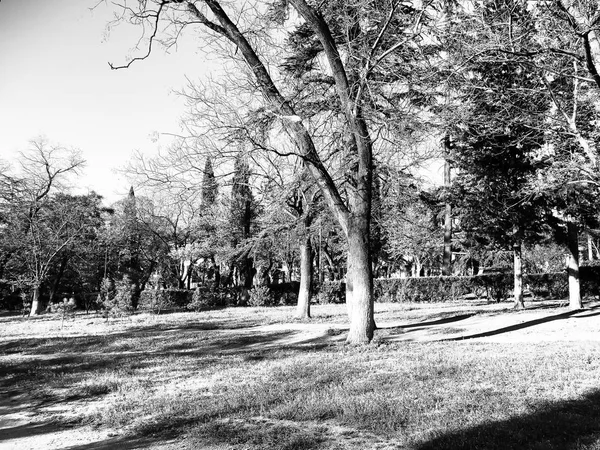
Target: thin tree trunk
{"type": "Point", "coordinates": [306, 279]}
{"type": "Point", "coordinates": [573, 266]}
{"type": "Point", "coordinates": [590, 247]}
{"type": "Point", "coordinates": [57, 280]}
{"type": "Point", "coordinates": [447, 257]}
{"type": "Point", "coordinates": [518, 276]}
{"type": "Point", "coordinates": [35, 303]}
{"type": "Point", "coordinates": [359, 285]}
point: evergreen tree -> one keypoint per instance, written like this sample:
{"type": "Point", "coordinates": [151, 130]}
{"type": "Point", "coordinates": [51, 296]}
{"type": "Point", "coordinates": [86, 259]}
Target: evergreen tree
{"type": "Point", "coordinates": [242, 214]}
{"type": "Point", "coordinates": [501, 139]}
{"type": "Point", "coordinates": [209, 185]}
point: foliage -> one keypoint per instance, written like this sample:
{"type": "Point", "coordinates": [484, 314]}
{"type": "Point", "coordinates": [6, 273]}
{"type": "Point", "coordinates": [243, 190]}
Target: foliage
{"type": "Point", "coordinates": [547, 285]}
{"type": "Point", "coordinates": [495, 286]}
{"type": "Point", "coordinates": [285, 293]}
{"type": "Point", "coordinates": [157, 300]}
{"type": "Point", "coordinates": [331, 292]}
{"type": "Point", "coordinates": [119, 300]}
{"type": "Point", "coordinates": [206, 298]}
{"type": "Point", "coordinates": [261, 296]}
{"type": "Point", "coordinates": [64, 309]}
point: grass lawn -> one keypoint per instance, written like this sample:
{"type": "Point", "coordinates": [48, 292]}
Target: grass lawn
{"type": "Point", "coordinates": [216, 380]}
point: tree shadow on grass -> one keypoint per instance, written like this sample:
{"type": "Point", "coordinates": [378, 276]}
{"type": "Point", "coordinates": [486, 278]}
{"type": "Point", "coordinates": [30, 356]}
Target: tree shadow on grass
{"type": "Point", "coordinates": [28, 430]}
{"type": "Point", "coordinates": [120, 443]}
{"type": "Point", "coordinates": [518, 326]}
{"type": "Point", "coordinates": [62, 364]}
{"type": "Point", "coordinates": [565, 425]}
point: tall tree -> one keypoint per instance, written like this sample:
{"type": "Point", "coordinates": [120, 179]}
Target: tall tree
{"type": "Point", "coordinates": [242, 213]}
{"type": "Point", "coordinates": [503, 135]}
{"type": "Point", "coordinates": [386, 33]}
{"type": "Point", "coordinates": [209, 185]}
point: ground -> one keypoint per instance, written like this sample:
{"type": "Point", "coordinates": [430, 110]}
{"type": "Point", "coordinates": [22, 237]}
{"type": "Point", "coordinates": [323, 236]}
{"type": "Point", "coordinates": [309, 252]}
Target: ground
{"type": "Point", "coordinates": [436, 376]}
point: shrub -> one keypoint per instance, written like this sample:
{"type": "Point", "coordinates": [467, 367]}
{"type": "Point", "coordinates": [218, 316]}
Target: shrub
{"type": "Point", "coordinates": [590, 279]}
{"type": "Point", "coordinates": [64, 310]}
{"type": "Point", "coordinates": [331, 292]}
{"type": "Point", "coordinates": [423, 289]}
{"type": "Point", "coordinates": [164, 299]}
{"type": "Point", "coordinates": [547, 285]}
{"type": "Point", "coordinates": [285, 293]}
{"type": "Point", "coordinates": [118, 298]}
{"type": "Point", "coordinates": [204, 298]}
{"type": "Point", "coordinates": [260, 296]}
{"type": "Point", "coordinates": [497, 286]}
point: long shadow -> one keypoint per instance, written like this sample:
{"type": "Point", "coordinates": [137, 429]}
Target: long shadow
{"type": "Point", "coordinates": [28, 430]}
{"type": "Point", "coordinates": [441, 321]}
{"type": "Point", "coordinates": [121, 443]}
{"type": "Point", "coordinates": [62, 363]}
{"type": "Point", "coordinates": [516, 327]}
{"type": "Point", "coordinates": [100, 342]}
{"type": "Point", "coordinates": [565, 425]}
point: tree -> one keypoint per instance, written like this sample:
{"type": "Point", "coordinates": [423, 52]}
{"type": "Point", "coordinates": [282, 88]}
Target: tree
{"type": "Point", "coordinates": [350, 80]}
{"type": "Point", "coordinates": [502, 136]}
{"type": "Point", "coordinates": [37, 229]}
{"type": "Point", "coordinates": [242, 215]}
{"type": "Point", "coordinates": [209, 185]}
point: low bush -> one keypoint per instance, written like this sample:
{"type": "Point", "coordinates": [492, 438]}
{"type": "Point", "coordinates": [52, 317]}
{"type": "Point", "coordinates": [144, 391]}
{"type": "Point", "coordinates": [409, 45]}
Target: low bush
{"type": "Point", "coordinates": [206, 297]}
{"type": "Point", "coordinates": [547, 285]}
{"type": "Point", "coordinates": [260, 296]}
{"type": "Point", "coordinates": [590, 279]}
{"type": "Point", "coordinates": [164, 299]}
{"type": "Point", "coordinates": [285, 293]}
{"type": "Point", "coordinates": [331, 292]}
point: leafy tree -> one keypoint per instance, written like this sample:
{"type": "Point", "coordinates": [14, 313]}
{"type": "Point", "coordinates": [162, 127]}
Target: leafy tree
{"type": "Point", "coordinates": [242, 214]}
{"type": "Point", "coordinates": [209, 185]}
{"type": "Point", "coordinates": [503, 133]}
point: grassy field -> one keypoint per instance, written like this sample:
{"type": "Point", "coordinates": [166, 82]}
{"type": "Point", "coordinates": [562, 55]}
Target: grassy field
{"type": "Point", "coordinates": [222, 380]}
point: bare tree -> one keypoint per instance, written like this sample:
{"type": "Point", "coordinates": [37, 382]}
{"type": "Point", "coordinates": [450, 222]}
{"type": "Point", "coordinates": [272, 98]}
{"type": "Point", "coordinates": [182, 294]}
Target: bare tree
{"type": "Point", "coordinates": [41, 231]}
{"type": "Point", "coordinates": [350, 80]}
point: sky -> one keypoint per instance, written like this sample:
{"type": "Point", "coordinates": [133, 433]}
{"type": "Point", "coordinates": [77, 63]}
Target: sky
{"type": "Point", "coordinates": [55, 82]}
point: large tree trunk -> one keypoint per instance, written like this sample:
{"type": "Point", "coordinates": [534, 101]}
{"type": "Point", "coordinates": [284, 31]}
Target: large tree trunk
{"type": "Point", "coordinates": [518, 276]}
{"type": "Point", "coordinates": [359, 284]}
{"type": "Point", "coordinates": [36, 305]}
{"type": "Point", "coordinates": [306, 279]}
{"type": "Point", "coordinates": [573, 266]}
{"type": "Point", "coordinates": [353, 221]}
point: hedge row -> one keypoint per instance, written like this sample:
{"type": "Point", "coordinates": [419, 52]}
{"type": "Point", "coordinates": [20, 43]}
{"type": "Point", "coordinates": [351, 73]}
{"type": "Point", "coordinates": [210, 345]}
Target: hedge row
{"type": "Point", "coordinates": [207, 297]}
{"type": "Point", "coordinates": [495, 287]}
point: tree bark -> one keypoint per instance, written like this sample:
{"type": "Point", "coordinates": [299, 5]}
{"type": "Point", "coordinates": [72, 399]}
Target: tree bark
{"type": "Point", "coordinates": [35, 303]}
{"type": "Point", "coordinates": [573, 266]}
{"type": "Point", "coordinates": [518, 276]}
{"type": "Point", "coordinates": [306, 279]}
{"type": "Point", "coordinates": [359, 284]}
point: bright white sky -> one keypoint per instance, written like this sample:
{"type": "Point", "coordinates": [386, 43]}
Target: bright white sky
{"type": "Point", "coordinates": [55, 81]}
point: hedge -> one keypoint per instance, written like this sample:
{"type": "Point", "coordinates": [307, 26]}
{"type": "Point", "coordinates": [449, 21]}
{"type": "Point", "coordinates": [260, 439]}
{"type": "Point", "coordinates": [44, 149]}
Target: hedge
{"type": "Point", "coordinates": [209, 297]}
{"type": "Point", "coordinates": [496, 287]}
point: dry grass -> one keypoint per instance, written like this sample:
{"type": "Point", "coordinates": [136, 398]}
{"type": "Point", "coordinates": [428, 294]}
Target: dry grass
{"type": "Point", "coordinates": [207, 380]}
